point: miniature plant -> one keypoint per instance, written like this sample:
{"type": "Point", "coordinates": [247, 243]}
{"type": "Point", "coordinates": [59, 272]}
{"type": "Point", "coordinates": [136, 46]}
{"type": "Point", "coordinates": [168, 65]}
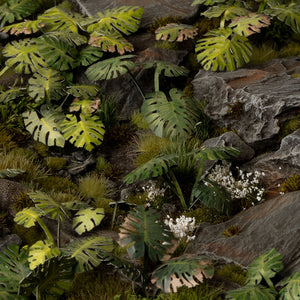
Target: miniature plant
{"type": "Point", "coordinates": [232, 230]}
{"type": "Point", "coordinates": [291, 184]}
{"type": "Point", "coordinates": [259, 284]}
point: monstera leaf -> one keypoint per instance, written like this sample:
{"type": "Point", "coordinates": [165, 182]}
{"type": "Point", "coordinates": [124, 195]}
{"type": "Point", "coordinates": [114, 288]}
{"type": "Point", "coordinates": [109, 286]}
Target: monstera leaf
{"type": "Point", "coordinates": [52, 208]}
{"type": "Point", "coordinates": [84, 106]}
{"type": "Point", "coordinates": [216, 153]}
{"type": "Point", "coordinates": [223, 50]}
{"type": "Point", "coordinates": [44, 130]}
{"type": "Point", "coordinates": [59, 20]}
{"type": "Point", "coordinates": [23, 56]}
{"type": "Point", "coordinates": [29, 216]}
{"type": "Point", "coordinates": [213, 195]}
{"type": "Point", "coordinates": [264, 267]}
{"type": "Point", "coordinates": [11, 94]}
{"type": "Point", "coordinates": [252, 292]}
{"type": "Point", "coordinates": [52, 278]}
{"type": "Point", "coordinates": [16, 10]}
{"type": "Point", "coordinates": [110, 42]}
{"type": "Point", "coordinates": [87, 133]}
{"type": "Point", "coordinates": [58, 54]}
{"type": "Point", "coordinates": [182, 271]}
{"type": "Point", "coordinates": [290, 15]}
{"type": "Point", "coordinates": [176, 32]}
{"type": "Point", "coordinates": [10, 173]}
{"type": "Point", "coordinates": [229, 11]}
{"type": "Point", "coordinates": [87, 219]}
{"type": "Point", "coordinates": [166, 68]}
{"type": "Point", "coordinates": [89, 55]}
{"type": "Point", "coordinates": [13, 268]}
{"type": "Point", "coordinates": [86, 251]}
{"type": "Point", "coordinates": [124, 19]}
{"type": "Point", "coordinates": [155, 167]}
{"type": "Point", "coordinates": [291, 287]}
{"type": "Point", "coordinates": [248, 25]}
{"type": "Point", "coordinates": [207, 2]}
{"type": "Point", "coordinates": [83, 91]}
{"type": "Point", "coordinates": [143, 234]}
{"type": "Point", "coordinates": [110, 68]}
{"type": "Point", "coordinates": [171, 119]}
{"type": "Point", "coordinates": [40, 251]}
{"type": "Point", "coordinates": [70, 38]}
{"type": "Point", "coordinates": [26, 27]}
{"type": "Point", "coordinates": [47, 84]}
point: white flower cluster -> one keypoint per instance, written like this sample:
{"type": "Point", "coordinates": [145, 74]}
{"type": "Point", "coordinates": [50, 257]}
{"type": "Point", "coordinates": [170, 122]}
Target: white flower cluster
{"type": "Point", "coordinates": [153, 191]}
{"type": "Point", "coordinates": [182, 227]}
{"type": "Point", "coordinates": [245, 185]}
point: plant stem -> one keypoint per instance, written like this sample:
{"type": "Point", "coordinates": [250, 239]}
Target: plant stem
{"type": "Point", "coordinates": [58, 231]}
{"type": "Point", "coordinates": [156, 81]}
{"type": "Point", "coordinates": [136, 84]}
{"type": "Point", "coordinates": [196, 181]}
{"type": "Point", "coordinates": [269, 282]}
{"type": "Point", "coordinates": [178, 189]}
{"type": "Point", "coordinates": [4, 70]}
{"type": "Point", "coordinates": [114, 216]}
{"type": "Point", "coordinates": [46, 230]}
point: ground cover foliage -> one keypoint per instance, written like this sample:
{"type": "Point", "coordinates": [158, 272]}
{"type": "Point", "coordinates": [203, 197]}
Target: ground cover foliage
{"type": "Point", "coordinates": [47, 43]}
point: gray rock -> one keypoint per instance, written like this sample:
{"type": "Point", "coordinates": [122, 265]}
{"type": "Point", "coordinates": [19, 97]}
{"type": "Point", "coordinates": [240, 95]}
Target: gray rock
{"type": "Point", "coordinates": [153, 9]}
{"type": "Point", "coordinates": [79, 166]}
{"type": "Point", "coordinates": [261, 97]}
{"type": "Point", "coordinates": [8, 240]}
{"type": "Point", "coordinates": [272, 224]}
{"type": "Point", "coordinates": [280, 164]}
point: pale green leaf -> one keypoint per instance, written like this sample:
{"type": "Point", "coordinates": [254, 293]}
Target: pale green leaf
{"type": "Point", "coordinates": [70, 38]}
{"type": "Point", "coordinates": [207, 2]}
{"type": "Point", "coordinates": [229, 11]}
{"type": "Point", "coordinates": [251, 292]}
{"type": "Point", "coordinates": [175, 32]}
{"type": "Point", "coordinates": [166, 68]}
{"type": "Point", "coordinates": [26, 27]}
{"type": "Point", "coordinates": [28, 216]}
{"type": "Point", "coordinates": [83, 91]}
{"type": "Point", "coordinates": [85, 106]}
{"type": "Point", "coordinates": [89, 55]}
{"type": "Point", "coordinates": [291, 287]}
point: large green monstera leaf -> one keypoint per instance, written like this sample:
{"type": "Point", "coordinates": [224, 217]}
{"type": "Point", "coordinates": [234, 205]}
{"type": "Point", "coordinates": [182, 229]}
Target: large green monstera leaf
{"type": "Point", "coordinates": [110, 42]}
{"type": "Point", "coordinates": [290, 14]}
{"type": "Point", "coordinates": [265, 266]}
{"type": "Point", "coordinates": [125, 19]}
{"type": "Point", "coordinates": [58, 54]}
{"type": "Point", "coordinates": [86, 251]}
{"type": "Point", "coordinates": [228, 11]}
{"type": "Point", "coordinates": [11, 94]}
{"type": "Point", "coordinates": [26, 27]}
{"type": "Point", "coordinates": [46, 129]}
{"type": "Point", "coordinates": [16, 10]}
{"type": "Point", "coordinates": [88, 132]}
{"type": "Point", "coordinates": [176, 32]}
{"type": "Point", "coordinates": [142, 233]}
{"type": "Point", "coordinates": [13, 268]}
{"type": "Point", "coordinates": [40, 251]}
{"type": "Point", "coordinates": [47, 84]}
{"type": "Point", "coordinates": [291, 287]}
{"type": "Point", "coordinates": [83, 91]}
{"type": "Point", "coordinates": [166, 68]}
{"type": "Point", "coordinates": [29, 216]}
{"type": "Point", "coordinates": [89, 55]}
{"type": "Point", "coordinates": [52, 278]}
{"type": "Point", "coordinates": [250, 292]}
{"type": "Point", "coordinates": [87, 219]}
{"type": "Point", "coordinates": [71, 38]}
{"type": "Point", "coordinates": [171, 119]}
{"type": "Point", "coordinates": [24, 56]}
{"type": "Point", "coordinates": [223, 50]}
{"type": "Point", "coordinates": [110, 68]}
{"type": "Point", "coordinates": [182, 271]}
{"type": "Point", "coordinates": [207, 2]}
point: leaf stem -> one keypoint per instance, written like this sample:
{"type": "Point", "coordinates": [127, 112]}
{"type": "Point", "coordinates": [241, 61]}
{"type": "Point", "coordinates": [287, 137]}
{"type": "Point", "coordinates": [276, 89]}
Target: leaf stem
{"type": "Point", "coordinates": [3, 71]}
{"type": "Point", "coordinates": [46, 230]}
{"type": "Point", "coordinates": [156, 80]}
{"type": "Point", "coordinates": [136, 84]}
{"type": "Point", "coordinates": [177, 188]}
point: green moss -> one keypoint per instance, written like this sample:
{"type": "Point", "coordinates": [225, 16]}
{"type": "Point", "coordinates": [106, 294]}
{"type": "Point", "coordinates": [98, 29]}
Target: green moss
{"type": "Point", "coordinates": [105, 167]}
{"type": "Point", "coordinates": [291, 184]}
{"type": "Point", "coordinates": [22, 201]}
{"type": "Point", "coordinates": [289, 127]}
{"type": "Point", "coordinates": [263, 53]}
{"type": "Point", "coordinates": [138, 120]}
{"type": "Point", "coordinates": [206, 24]}
{"type": "Point", "coordinates": [189, 90]}
{"type": "Point", "coordinates": [138, 199]}
{"type": "Point", "coordinates": [159, 22]}
{"type": "Point", "coordinates": [56, 183]}
{"type": "Point", "coordinates": [295, 76]}
{"type": "Point", "coordinates": [166, 45]}
{"type": "Point", "coordinates": [232, 230]}
{"type": "Point", "coordinates": [206, 214]}
{"type": "Point", "coordinates": [6, 140]}
{"type": "Point", "coordinates": [233, 273]}
{"type": "Point", "coordinates": [30, 235]}
{"type": "Point", "coordinates": [41, 149]}
{"type": "Point", "coordinates": [119, 134]}
{"type": "Point", "coordinates": [56, 163]}
{"type": "Point", "coordinates": [235, 109]}
{"type": "Point", "coordinates": [292, 49]}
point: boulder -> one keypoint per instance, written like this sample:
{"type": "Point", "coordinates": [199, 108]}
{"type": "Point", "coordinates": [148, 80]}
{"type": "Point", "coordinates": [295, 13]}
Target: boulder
{"type": "Point", "coordinates": [153, 9]}
{"type": "Point", "coordinates": [8, 240]}
{"type": "Point", "coordinates": [272, 224]}
{"type": "Point", "coordinates": [252, 102]}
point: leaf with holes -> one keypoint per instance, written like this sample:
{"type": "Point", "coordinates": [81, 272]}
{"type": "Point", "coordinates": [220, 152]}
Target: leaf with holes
{"type": "Point", "coordinates": [124, 19]}
{"type": "Point", "coordinates": [88, 132]}
{"type": "Point", "coordinates": [87, 219]}
{"type": "Point", "coordinates": [110, 68]}
{"type": "Point", "coordinates": [71, 38]}
{"type": "Point", "coordinates": [52, 208]}
{"type": "Point", "coordinates": [46, 129]}
{"type": "Point", "coordinates": [10, 173]}
{"type": "Point", "coordinates": [142, 233]}
{"type": "Point", "coordinates": [248, 25]}
{"type": "Point", "coordinates": [47, 84]}
{"type": "Point", "coordinates": [89, 55]}
{"type": "Point", "coordinates": [216, 153]}
{"type": "Point", "coordinates": [13, 268]}
{"type": "Point", "coordinates": [24, 56]}
{"type": "Point", "coordinates": [26, 27]}
{"type": "Point", "coordinates": [52, 278]}
{"type": "Point", "coordinates": [83, 91]}
{"type": "Point", "coordinates": [40, 251]}
{"type": "Point", "coordinates": [11, 94]}
{"type": "Point", "coordinates": [223, 50]}
{"type": "Point", "coordinates": [182, 271]}
{"type": "Point", "coordinates": [290, 15]}
{"type": "Point", "coordinates": [170, 119]}
{"type": "Point", "coordinates": [166, 68]}
{"type": "Point", "coordinates": [110, 42]}
{"type": "Point", "coordinates": [58, 54]}
{"type": "Point", "coordinates": [291, 287]}
{"type": "Point", "coordinates": [16, 10]}
{"type": "Point", "coordinates": [176, 32]}
{"type": "Point", "coordinates": [229, 11]}
{"type": "Point", "coordinates": [252, 292]}
{"type": "Point", "coordinates": [264, 267]}
{"type": "Point", "coordinates": [28, 216]}
{"type": "Point", "coordinates": [86, 251]}
{"type": "Point", "coordinates": [207, 2]}
{"type": "Point", "coordinates": [84, 106]}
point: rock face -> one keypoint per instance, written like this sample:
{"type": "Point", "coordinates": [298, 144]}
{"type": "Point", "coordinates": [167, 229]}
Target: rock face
{"type": "Point", "coordinates": [153, 9]}
{"type": "Point", "coordinates": [251, 101]}
{"type": "Point", "coordinates": [272, 224]}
